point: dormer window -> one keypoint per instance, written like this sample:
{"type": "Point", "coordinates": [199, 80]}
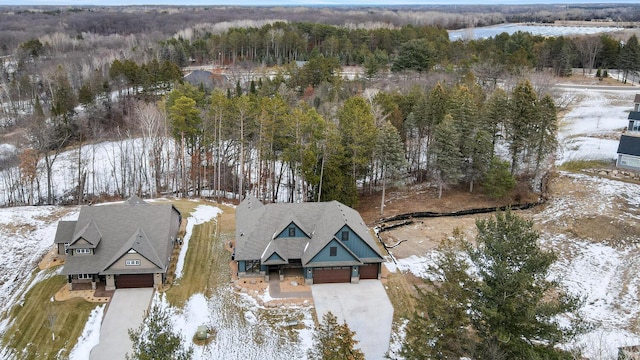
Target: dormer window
{"type": "Point", "coordinates": [83, 251]}
{"type": "Point", "coordinates": [345, 236]}
{"type": "Point", "coordinates": [292, 232]}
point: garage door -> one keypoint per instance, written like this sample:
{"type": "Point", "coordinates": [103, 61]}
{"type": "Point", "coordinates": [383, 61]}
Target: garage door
{"type": "Point", "coordinates": [134, 281]}
{"type": "Point", "coordinates": [325, 276]}
{"type": "Point", "coordinates": [369, 271]}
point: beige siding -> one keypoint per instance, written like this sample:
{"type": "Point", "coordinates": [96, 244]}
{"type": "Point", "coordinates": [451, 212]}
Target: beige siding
{"type": "Point", "coordinates": [144, 263]}
{"type": "Point", "coordinates": [82, 242]}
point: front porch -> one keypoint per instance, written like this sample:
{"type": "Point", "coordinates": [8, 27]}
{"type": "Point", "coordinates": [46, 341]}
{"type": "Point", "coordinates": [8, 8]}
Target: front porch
{"type": "Point", "coordinates": [290, 290]}
{"type": "Point", "coordinates": [85, 291]}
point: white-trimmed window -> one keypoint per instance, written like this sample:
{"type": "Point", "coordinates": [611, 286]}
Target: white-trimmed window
{"type": "Point", "coordinates": [85, 276]}
{"type": "Point", "coordinates": [83, 251]}
{"type": "Point", "coordinates": [134, 262]}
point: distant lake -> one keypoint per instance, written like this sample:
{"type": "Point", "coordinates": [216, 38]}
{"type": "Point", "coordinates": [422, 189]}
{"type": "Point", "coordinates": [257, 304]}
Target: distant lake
{"type": "Point", "coordinates": [544, 30]}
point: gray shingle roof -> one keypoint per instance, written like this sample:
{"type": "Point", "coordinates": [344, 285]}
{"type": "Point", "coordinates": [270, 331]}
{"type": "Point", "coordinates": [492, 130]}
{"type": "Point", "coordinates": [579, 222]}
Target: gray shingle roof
{"type": "Point", "coordinates": [634, 115]}
{"type": "Point", "coordinates": [64, 232]}
{"type": "Point", "coordinates": [144, 227]}
{"type": "Point", "coordinates": [629, 145]}
{"type": "Point", "coordinates": [257, 224]}
{"type": "Point", "coordinates": [90, 233]}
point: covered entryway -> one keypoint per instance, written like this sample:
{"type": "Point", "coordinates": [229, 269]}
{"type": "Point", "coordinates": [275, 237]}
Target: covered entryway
{"type": "Point", "coordinates": [332, 275]}
{"type": "Point", "coordinates": [134, 281]}
{"type": "Point", "coordinates": [369, 271]}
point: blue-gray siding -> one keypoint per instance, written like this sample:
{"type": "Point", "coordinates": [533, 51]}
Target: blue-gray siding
{"type": "Point", "coordinates": [341, 253]}
{"type": "Point", "coordinates": [275, 256]}
{"type": "Point", "coordinates": [285, 233]}
{"type": "Point", "coordinates": [356, 244]}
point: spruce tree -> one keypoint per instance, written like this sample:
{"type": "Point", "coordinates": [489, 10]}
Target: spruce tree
{"type": "Point", "coordinates": [522, 110]}
{"type": "Point", "coordinates": [390, 154]}
{"type": "Point", "coordinates": [629, 58]}
{"type": "Point", "coordinates": [492, 299]}
{"type": "Point", "coordinates": [333, 341]}
{"type": "Point", "coordinates": [448, 159]}
{"type": "Point", "coordinates": [439, 327]}
{"type": "Point", "coordinates": [155, 339]}
{"type": "Point", "coordinates": [498, 181]}
{"type": "Point", "coordinates": [516, 311]}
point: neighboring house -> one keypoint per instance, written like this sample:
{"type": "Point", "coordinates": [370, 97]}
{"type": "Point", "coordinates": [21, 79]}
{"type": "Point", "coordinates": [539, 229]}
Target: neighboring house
{"type": "Point", "coordinates": [328, 242]}
{"type": "Point", "coordinates": [629, 146]}
{"type": "Point", "coordinates": [200, 77]}
{"type": "Point", "coordinates": [123, 245]}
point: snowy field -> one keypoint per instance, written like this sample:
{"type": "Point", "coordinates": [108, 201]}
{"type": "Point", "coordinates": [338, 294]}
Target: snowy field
{"type": "Point", "coordinates": [543, 30]}
{"type": "Point", "coordinates": [591, 129]}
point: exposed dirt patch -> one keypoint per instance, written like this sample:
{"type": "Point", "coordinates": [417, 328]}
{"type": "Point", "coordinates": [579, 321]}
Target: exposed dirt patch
{"type": "Point", "coordinates": [425, 234]}
{"type": "Point", "coordinates": [604, 229]}
{"type": "Point", "coordinates": [423, 197]}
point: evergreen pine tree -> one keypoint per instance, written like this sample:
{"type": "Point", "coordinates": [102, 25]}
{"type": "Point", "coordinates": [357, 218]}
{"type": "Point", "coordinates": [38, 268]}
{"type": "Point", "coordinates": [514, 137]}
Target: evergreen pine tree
{"type": "Point", "coordinates": [522, 110]}
{"type": "Point", "coordinates": [629, 58]}
{"type": "Point", "coordinates": [506, 308]}
{"type": "Point", "coordinates": [498, 181]}
{"type": "Point", "coordinates": [516, 311]}
{"type": "Point", "coordinates": [333, 341]}
{"type": "Point", "coordinates": [439, 326]}
{"type": "Point", "coordinates": [390, 154]}
{"type": "Point", "coordinates": [448, 159]}
{"type": "Point", "coordinates": [156, 340]}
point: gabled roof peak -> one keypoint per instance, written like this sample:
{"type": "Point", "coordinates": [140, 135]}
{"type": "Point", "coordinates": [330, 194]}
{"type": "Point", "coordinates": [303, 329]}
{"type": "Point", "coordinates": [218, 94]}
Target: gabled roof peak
{"type": "Point", "coordinates": [135, 200]}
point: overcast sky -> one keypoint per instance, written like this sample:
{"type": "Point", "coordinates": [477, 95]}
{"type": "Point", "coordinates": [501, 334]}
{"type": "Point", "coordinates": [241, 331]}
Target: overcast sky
{"type": "Point", "coordinates": [297, 2]}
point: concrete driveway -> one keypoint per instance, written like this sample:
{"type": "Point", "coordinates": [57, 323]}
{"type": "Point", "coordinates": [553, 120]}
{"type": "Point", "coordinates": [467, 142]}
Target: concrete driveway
{"type": "Point", "coordinates": [366, 309]}
{"type": "Point", "coordinates": [125, 311]}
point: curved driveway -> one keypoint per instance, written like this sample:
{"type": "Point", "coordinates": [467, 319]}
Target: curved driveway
{"type": "Point", "coordinates": [366, 309]}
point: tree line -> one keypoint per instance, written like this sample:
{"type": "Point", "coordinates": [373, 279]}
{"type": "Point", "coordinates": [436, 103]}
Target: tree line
{"type": "Point", "coordinates": [437, 96]}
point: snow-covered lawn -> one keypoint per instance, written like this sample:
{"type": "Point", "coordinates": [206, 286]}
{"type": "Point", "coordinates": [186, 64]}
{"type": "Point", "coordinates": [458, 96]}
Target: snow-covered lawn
{"type": "Point", "coordinates": [26, 234]}
{"type": "Point", "coordinates": [592, 128]}
{"type": "Point", "coordinates": [200, 215]}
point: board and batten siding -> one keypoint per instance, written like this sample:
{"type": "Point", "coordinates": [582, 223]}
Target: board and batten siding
{"type": "Point", "coordinates": [274, 257]}
{"type": "Point", "coordinates": [285, 232]}
{"type": "Point", "coordinates": [324, 255]}
{"type": "Point", "coordinates": [356, 244]}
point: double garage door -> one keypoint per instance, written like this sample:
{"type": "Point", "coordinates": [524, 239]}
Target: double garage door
{"type": "Point", "coordinates": [333, 275]}
{"type": "Point", "coordinates": [134, 281]}
{"type": "Point", "coordinates": [343, 275]}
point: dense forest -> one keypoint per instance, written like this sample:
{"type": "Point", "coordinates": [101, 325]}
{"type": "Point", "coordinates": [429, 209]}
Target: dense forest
{"type": "Point", "coordinates": [280, 120]}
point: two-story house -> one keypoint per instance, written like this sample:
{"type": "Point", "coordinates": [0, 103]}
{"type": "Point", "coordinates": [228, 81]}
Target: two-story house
{"type": "Point", "coordinates": [328, 242]}
{"type": "Point", "coordinates": [123, 245]}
